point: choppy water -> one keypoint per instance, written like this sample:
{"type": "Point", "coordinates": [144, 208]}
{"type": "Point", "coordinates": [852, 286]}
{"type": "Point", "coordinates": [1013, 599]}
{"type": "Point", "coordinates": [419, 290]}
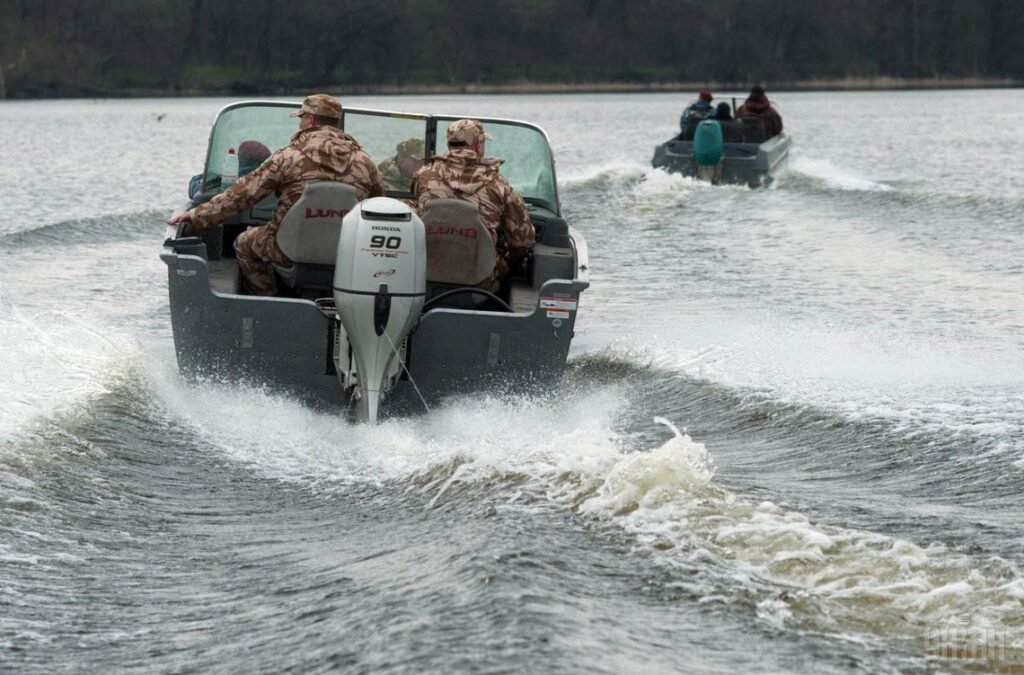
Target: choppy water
{"type": "Point", "coordinates": [842, 354]}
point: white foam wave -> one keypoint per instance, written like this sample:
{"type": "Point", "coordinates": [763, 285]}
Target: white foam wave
{"type": "Point", "coordinates": [288, 441]}
{"type": "Point", "coordinates": [51, 361]}
{"type": "Point", "coordinates": [803, 574]}
{"type": "Point", "coordinates": [825, 577]}
{"type": "Point", "coordinates": [649, 480]}
{"type": "Point", "coordinates": [915, 385]}
{"type": "Point", "coordinates": [833, 176]}
{"type": "Point", "coordinates": [809, 575]}
{"type": "Point", "coordinates": [612, 174]}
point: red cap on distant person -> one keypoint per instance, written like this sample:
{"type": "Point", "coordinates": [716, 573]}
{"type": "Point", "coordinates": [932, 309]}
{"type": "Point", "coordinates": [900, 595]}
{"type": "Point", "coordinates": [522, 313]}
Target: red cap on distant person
{"type": "Point", "coordinates": [705, 95]}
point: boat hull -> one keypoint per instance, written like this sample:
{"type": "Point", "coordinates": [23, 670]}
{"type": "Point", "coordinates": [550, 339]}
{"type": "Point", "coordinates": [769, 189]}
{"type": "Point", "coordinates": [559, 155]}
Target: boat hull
{"type": "Point", "coordinates": [287, 345]}
{"type": "Point", "coordinates": [751, 164]}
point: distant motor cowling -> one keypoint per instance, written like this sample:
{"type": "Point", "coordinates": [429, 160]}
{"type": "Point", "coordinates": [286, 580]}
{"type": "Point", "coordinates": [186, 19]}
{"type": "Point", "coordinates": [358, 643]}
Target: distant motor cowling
{"type": "Point", "coordinates": [708, 146]}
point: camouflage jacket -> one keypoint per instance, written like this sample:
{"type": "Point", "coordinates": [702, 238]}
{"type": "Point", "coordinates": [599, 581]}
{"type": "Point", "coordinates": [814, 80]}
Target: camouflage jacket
{"type": "Point", "coordinates": [317, 153]}
{"type": "Point", "coordinates": [461, 174]}
{"type": "Point", "coordinates": [392, 175]}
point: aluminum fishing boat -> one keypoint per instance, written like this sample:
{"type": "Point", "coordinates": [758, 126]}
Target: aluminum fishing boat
{"type": "Point", "coordinates": [749, 158]}
{"type": "Point", "coordinates": [383, 312]}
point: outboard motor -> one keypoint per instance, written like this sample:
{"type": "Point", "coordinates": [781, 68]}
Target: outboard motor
{"type": "Point", "coordinates": [708, 148]}
{"type": "Point", "coordinates": [379, 284]}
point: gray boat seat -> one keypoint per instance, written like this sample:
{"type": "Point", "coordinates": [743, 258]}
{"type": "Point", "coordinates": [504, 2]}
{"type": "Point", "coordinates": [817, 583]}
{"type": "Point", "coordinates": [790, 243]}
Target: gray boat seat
{"type": "Point", "coordinates": [753, 130]}
{"type": "Point", "coordinates": [309, 232]}
{"type": "Point", "coordinates": [732, 131]}
{"type": "Point", "coordinates": [460, 251]}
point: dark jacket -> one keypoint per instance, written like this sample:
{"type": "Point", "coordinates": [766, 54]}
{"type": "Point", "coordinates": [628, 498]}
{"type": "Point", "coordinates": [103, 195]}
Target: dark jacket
{"type": "Point", "coordinates": [758, 106]}
{"type": "Point", "coordinates": [697, 110]}
{"type": "Point", "coordinates": [732, 129]}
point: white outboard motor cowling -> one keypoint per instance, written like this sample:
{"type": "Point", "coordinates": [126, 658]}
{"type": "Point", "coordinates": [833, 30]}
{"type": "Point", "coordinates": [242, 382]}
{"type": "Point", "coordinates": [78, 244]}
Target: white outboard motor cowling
{"type": "Point", "coordinates": [379, 286]}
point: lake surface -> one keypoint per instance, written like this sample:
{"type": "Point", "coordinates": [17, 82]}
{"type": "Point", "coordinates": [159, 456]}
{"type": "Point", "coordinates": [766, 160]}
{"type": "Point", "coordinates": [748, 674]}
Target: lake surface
{"type": "Point", "coordinates": [843, 355]}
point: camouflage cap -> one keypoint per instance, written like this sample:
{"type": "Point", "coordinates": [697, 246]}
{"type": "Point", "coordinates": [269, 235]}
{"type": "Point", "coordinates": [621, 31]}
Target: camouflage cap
{"type": "Point", "coordinates": [410, 147]}
{"type": "Point", "coordinates": [322, 105]}
{"type": "Point", "coordinates": [466, 131]}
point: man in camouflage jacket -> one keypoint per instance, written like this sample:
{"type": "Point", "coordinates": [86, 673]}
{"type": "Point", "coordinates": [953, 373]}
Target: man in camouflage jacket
{"type": "Point", "coordinates": [318, 151]}
{"type": "Point", "coordinates": [397, 171]}
{"type": "Point", "coordinates": [464, 173]}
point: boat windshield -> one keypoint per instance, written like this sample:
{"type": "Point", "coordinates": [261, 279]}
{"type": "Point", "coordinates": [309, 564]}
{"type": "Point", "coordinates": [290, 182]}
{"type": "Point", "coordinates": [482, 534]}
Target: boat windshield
{"type": "Point", "coordinates": [381, 134]}
{"type": "Point", "coordinates": [267, 123]}
{"type": "Point", "coordinates": [528, 164]}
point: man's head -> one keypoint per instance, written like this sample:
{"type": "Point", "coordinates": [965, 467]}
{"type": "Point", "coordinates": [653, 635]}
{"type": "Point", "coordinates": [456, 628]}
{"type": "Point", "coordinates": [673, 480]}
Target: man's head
{"type": "Point", "coordinates": [318, 109]}
{"type": "Point", "coordinates": [410, 147]}
{"type": "Point", "coordinates": [409, 155]}
{"type": "Point", "coordinates": [723, 111]}
{"type": "Point", "coordinates": [250, 155]}
{"type": "Point", "coordinates": [705, 95]}
{"type": "Point", "coordinates": [756, 92]}
{"type": "Point", "coordinates": [467, 134]}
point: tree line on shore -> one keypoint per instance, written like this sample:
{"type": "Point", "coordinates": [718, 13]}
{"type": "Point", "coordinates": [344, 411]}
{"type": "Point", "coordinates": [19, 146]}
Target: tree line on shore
{"type": "Point", "coordinates": [123, 47]}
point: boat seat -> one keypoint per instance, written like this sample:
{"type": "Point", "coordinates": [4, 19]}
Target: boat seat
{"type": "Point", "coordinates": [309, 232]}
{"type": "Point", "coordinates": [732, 131]}
{"type": "Point", "coordinates": [753, 130]}
{"type": "Point", "coordinates": [460, 251]}
{"type": "Point", "coordinates": [691, 129]}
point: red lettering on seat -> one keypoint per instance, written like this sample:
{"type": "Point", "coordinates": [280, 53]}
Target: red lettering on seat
{"type": "Point", "coordinates": [325, 213]}
{"type": "Point", "coordinates": [468, 232]}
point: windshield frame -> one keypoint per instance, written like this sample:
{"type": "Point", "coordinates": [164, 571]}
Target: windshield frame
{"type": "Point", "coordinates": [545, 196]}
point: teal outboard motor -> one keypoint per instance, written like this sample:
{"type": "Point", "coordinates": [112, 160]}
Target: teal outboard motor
{"type": "Point", "coordinates": [379, 285]}
{"type": "Point", "coordinates": [708, 149]}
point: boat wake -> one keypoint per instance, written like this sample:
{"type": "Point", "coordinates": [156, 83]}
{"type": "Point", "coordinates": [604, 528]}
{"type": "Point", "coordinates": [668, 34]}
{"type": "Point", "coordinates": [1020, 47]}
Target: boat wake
{"type": "Point", "coordinates": [586, 454]}
{"type": "Point", "coordinates": [109, 228]}
{"type": "Point", "coordinates": [640, 182]}
{"type": "Point", "coordinates": [613, 176]}
{"type": "Point", "coordinates": [54, 363]}
{"type": "Point", "coordinates": [720, 545]}
{"type": "Point", "coordinates": [827, 174]}
{"type": "Point", "coordinates": [920, 395]}
{"type": "Point", "coordinates": [806, 575]}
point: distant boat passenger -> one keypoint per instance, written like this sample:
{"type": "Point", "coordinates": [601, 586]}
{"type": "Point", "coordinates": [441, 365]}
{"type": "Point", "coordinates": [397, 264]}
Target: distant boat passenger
{"type": "Point", "coordinates": [697, 110]}
{"type": "Point", "coordinates": [732, 129]}
{"type": "Point", "coordinates": [758, 105]}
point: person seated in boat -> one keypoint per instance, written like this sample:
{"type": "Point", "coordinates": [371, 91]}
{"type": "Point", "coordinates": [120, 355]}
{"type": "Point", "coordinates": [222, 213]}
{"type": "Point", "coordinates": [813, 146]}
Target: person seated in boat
{"type": "Point", "coordinates": [732, 129]}
{"type": "Point", "coordinates": [697, 110]}
{"type": "Point", "coordinates": [758, 105]}
{"type": "Point", "coordinates": [397, 170]}
{"type": "Point", "coordinates": [463, 172]}
{"type": "Point", "coordinates": [318, 151]}
{"type": "Point", "coordinates": [250, 155]}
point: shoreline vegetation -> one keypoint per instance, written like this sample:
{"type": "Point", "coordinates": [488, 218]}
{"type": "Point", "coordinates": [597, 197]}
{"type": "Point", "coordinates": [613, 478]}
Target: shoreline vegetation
{"type": "Point", "coordinates": [171, 48]}
{"type": "Point", "coordinates": [850, 84]}
{"type": "Point", "coordinates": [527, 87]}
